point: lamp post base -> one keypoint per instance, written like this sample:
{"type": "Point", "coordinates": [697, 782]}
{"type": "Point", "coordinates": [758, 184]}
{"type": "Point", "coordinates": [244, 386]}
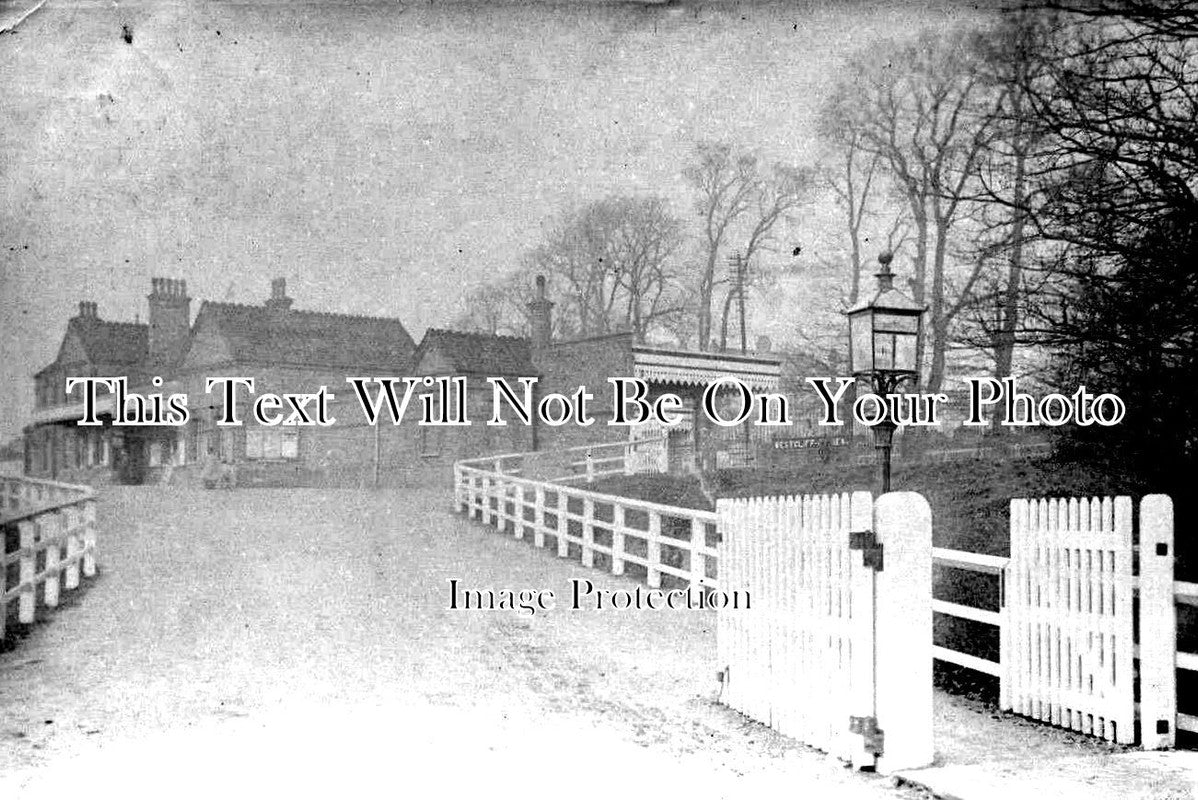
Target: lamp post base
{"type": "Point", "coordinates": [883, 444]}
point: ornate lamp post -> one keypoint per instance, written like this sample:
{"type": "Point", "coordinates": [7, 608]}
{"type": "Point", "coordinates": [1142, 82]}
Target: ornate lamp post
{"type": "Point", "coordinates": [884, 336]}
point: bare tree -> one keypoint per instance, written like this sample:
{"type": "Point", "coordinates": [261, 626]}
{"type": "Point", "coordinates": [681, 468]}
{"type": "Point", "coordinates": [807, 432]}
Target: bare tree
{"type": "Point", "coordinates": [495, 308]}
{"type": "Point", "coordinates": [852, 181]}
{"type": "Point", "coordinates": [613, 264]}
{"type": "Point", "coordinates": [740, 203]}
{"type": "Point", "coordinates": [921, 108]}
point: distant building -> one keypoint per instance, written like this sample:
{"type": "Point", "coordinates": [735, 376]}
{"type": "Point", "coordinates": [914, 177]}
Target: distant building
{"type": "Point", "coordinates": [283, 349]}
{"type": "Point", "coordinates": [561, 367]}
{"type": "Point", "coordinates": [289, 350]}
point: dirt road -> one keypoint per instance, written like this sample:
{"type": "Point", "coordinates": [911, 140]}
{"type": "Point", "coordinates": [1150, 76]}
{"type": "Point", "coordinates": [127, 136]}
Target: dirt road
{"type": "Point", "coordinates": [301, 641]}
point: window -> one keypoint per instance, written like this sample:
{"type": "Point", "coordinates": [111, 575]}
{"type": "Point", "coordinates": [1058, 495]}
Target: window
{"type": "Point", "coordinates": [105, 455]}
{"type": "Point", "coordinates": [155, 453]}
{"type": "Point", "coordinates": [289, 446]}
{"type": "Point", "coordinates": [253, 442]}
{"type": "Point", "coordinates": [205, 444]}
{"type": "Point", "coordinates": [272, 444]}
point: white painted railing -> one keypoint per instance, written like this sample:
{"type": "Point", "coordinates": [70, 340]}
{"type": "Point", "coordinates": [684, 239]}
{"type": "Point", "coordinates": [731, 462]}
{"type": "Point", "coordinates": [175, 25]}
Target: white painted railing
{"type": "Point", "coordinates": [584, 463]}
{"type": "Point", "coordinates": [1154, 584]}
{"type": "Point", "coordinates": [623, 530]}
{"type": "Point", "coordinates": [510, 502]}
{"type": "Point", "coordinates": [53, 528]}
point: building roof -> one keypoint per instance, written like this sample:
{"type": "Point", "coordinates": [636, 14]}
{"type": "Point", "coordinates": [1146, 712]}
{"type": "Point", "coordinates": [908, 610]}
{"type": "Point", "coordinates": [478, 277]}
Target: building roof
{"type": "Point", "coordinates": [479, 353]}
{"type": "Point", "coordinates": [258, 334]}
{"type": "Point", "coordinates": [692, 368]}
{"type": "Point", "coordinates": [104, 342]}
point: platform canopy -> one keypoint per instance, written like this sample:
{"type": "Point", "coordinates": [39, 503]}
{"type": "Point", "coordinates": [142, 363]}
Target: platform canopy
{"type": "Point", "coordinates": [690, 368]}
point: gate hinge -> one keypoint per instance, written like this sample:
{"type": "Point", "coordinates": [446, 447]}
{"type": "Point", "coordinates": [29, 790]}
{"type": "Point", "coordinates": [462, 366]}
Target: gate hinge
{"type": "Point", "coordinates": [870, 547]}
{"type": "Point", "coordinates": [867, 727]}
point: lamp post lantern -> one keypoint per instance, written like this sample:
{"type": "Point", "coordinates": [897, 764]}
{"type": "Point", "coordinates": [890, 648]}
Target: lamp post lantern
{"type": "Point", "coordinates": [884, 337]}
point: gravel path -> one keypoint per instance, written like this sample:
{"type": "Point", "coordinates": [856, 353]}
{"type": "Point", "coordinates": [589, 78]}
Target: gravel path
{"type": "Point", "coordinates": [300, 641]}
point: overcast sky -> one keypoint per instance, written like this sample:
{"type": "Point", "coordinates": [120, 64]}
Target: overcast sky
{"type": "Point", "coordinates": [385, 158]}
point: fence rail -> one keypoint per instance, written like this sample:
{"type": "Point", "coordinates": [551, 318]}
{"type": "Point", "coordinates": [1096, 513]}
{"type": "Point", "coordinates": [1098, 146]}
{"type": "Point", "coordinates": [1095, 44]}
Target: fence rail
{"type": "Point", "coordinates": [664, 540]}
{"type": "Point", "coordinates": [49, 535]}
{"type": "Point", "coordinates": [1183, 593]}
{"type": "Point", "coordinates": [585, 463]}
{"type": "Point", "coordinates": [571, 516]}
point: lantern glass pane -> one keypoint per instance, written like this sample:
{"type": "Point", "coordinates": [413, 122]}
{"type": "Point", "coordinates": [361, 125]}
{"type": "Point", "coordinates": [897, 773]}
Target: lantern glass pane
{"type": "Point", "coordinates": [904, 352]}
{"type": "Point", "coordinates": [883, 351]}
{"type": "Point", "coordinates": [859, 341]}
{"type": "Point", "coordinates": [896, 323]}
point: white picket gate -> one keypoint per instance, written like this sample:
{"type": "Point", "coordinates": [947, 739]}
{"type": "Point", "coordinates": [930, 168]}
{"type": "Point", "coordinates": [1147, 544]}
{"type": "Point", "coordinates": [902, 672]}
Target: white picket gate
{"type": "Point", "coordinates": [1068, 637]}
{"type": "Point", "coordinates": [837, 588]}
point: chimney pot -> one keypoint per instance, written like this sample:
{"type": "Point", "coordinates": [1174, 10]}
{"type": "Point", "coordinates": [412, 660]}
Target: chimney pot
{"type": "Point", "coordinates": [279, 301]}
{"type": "Point", "coordinates": [541, 317]}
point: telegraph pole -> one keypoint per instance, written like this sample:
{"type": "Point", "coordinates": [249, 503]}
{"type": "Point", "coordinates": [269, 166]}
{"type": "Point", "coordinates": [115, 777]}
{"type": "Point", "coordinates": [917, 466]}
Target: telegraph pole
{"type": "Point", "coordinates": [737, 262]}
{"type": "Point", "coordinates": [740, 291]}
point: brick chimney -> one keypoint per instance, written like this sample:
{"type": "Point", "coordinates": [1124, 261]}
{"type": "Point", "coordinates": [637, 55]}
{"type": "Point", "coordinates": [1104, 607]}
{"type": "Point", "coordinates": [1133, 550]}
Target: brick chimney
{"type": "Point", "coordinates": [540, 317]}
{"type": "Point", "coordinates": [87, 310]}
{"type": "Point", "coordinates": [279, 302]}
{"type": "Point", "coordinates": [170, 319]}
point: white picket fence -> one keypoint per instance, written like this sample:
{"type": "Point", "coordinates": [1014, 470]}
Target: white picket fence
{"type": "Point", "coordinates": [1070, 628]}
{"type": "Point", "coordinates": [54, 528]}
{"type": "Point", "coordinates": [1066, 654]}
{"type": "Point", "coordinates": [583, 463]}
{"type": "Point", "coordinates": [836, 648]}
{"type": "Point", "coordinates": [664, 540]}
{"type": "Point", "coordinates": [1067, 625]}
{"type": "Point", "coordinates": [800, 656]}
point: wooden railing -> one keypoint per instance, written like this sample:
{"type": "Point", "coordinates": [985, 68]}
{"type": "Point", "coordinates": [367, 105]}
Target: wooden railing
{"type": "Point", "coordinates": [584, 463]}
{"type": "Point", "coordinates": [664, 540]}
{"type": "Point", "coordinates": [1184, 593]}
{"type": "Point", "coordinates": [49, 535]}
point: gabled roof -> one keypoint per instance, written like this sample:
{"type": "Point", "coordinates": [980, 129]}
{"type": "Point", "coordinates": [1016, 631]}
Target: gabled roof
{"type": "Point", "coordinates": [257, 334]}
{"type": "Point", "coordinates": [104, 342]}
{"type": "Point", "coordinates": [890, 298]}
{"type": "Point", "coordinates": [479, 353]}
{"type": "Point", "coordinates": [692, 368]}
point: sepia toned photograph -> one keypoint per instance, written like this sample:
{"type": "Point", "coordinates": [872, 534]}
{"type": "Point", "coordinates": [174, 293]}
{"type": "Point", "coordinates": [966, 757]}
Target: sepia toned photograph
{"type": "Point", "coordinates": [599, 398]}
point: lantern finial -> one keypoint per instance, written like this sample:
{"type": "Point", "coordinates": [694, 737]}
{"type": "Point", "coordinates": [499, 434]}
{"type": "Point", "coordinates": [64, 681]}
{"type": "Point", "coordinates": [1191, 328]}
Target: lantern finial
{"type": "Point", "coordinates": [884, 275]}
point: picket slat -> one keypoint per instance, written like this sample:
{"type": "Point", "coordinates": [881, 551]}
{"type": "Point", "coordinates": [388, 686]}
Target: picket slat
{"type": "Point", "coordinates": [1070, 615]}
{"type": "Point", "coordinates": [802, 661]}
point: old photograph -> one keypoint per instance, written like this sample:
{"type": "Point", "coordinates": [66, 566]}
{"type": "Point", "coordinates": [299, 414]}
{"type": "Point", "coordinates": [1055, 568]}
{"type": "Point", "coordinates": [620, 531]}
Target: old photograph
{"type": "Point", "coordinates": [599, 398]}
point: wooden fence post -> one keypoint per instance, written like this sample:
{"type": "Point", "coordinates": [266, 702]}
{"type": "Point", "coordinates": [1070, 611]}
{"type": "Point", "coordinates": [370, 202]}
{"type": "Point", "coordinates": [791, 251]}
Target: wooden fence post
{"type": "Point", "coordinates": [476, 494]}
{"type": "Point", "coordinates": [588, 532]}
{"type": "Point", "coordinates": [71, 577]}
{"type": "Point", "coordinates": [26, 537]}
{"type": "Point", "coordinates": [486, 510]}
{"type": "Point", "coordinates": [89, 539]}
{"type": "Point", "coordinates": [53, 525]}
{"type": "Point", "coordinates": [653, 551]}
{"type": "Point", "coordinates": [518, 506]}
{"type": "Point", "coordinates": [862, 581]}
{"type": "Point", "coordinates": [1158, 625]}
{"type": "Point", "coordinates": [698, 563]}
{"type": "Point", "coordinates": [617, 539]}
{"type": "Point", "coordinates": [903, 631]}
{"type": "Point", "coordinates": [563, 524]}
{"type": "Point", "coordinates": [457, 488]}
{"type": "Point", "coordinates": [538, 532]}
{"type": "Point", "coordinates": [590, 468]}
{"type": "Point", "coordinates": [1125, 713]}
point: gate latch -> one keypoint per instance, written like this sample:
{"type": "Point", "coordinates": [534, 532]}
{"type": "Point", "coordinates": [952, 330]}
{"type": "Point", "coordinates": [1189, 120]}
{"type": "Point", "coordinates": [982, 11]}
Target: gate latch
{"type": "Point", "coordinates": [867, 728]}
{"type": "Point", "coordinates": [871, 549]}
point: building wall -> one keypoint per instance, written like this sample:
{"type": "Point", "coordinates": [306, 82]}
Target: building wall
{"type": "Point", "coordinates": [565, 366]}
